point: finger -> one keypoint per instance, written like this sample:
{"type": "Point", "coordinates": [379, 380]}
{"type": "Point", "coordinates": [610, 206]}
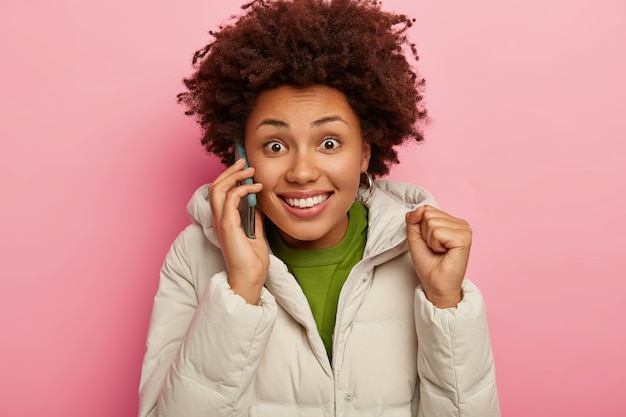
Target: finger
{"type": "Point", "coordinates": [414, 220]}
{"type": "Point", "coordinates": [230, 178]}
{"type": "Point", "coordinates": [442, 234]}
{"type": "Point", "coordinates": [436, 217]}
{"type": "Point", "coordinates": [230, 209]}
{"type": "Point", "coordinates": [225, 182]}
{"type": "Point", "coordinates": [220, 185]}
{"type": "Point", "coordinates": [438, 229]}
{"type": "Point", "coordinates": [421, 220]}
{"type": "Point", "coordinates": [443, 239]}
{"type": "Point", "coordinates": [415, 216]}
{"type": "Point", "coordinates": [237, 166]}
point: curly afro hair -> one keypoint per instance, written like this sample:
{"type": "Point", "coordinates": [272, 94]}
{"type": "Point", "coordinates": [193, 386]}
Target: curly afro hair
{"type": "Point", "coordinates": [350, 45]}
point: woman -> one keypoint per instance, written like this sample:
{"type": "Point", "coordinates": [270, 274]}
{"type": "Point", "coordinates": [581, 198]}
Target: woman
{"type": "Point", "coordinates": [351, 301]}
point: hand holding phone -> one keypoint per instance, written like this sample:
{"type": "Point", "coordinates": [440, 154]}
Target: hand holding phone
{"type": "Point", "coordinates": [247, 205]}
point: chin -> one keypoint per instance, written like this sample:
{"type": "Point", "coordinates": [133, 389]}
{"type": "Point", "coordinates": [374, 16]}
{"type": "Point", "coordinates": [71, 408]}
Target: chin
{"type": "Point", "coordinates": [306, 236]}
{"type": "Point", "coordinates": [313, 238]}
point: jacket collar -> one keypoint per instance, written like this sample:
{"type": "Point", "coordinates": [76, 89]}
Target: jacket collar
{"type": "Point", "coordinates": [387, 207]}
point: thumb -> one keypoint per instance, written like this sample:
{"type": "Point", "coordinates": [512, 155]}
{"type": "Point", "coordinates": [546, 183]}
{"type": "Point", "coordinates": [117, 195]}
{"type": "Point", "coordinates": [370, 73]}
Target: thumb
{"type": "Point", "coordinates": [415, 217]}
{"type": "Point", "coordinates": [413, 223]}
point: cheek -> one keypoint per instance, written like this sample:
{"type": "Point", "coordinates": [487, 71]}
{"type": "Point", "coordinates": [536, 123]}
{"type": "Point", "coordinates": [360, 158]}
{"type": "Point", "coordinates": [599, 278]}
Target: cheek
{"type": "Point", "coordinates": [346, 178]}
{"type": "Point", "coordinates": [266, 175]}
{"type": "Point", "coordinates": [269, 178]}
{"type": "Point", "coordinates": [348, 174]}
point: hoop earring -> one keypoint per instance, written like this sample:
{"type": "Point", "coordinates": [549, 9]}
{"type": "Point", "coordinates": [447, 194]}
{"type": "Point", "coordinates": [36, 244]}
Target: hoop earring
{"type": "Point", "coordinates": [364, 194]}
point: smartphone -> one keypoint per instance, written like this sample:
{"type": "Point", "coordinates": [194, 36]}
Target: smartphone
{"type": "Point", "coordinates": [247, 205]}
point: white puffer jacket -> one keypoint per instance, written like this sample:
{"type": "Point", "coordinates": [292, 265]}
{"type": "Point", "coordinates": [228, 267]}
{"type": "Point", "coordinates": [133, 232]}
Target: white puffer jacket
{"type": "Point", "coordinates": [395, 354]}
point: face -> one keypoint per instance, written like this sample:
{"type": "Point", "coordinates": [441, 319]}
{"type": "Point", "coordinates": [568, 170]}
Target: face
{"type": "Point", "coordinates": [307, 149]}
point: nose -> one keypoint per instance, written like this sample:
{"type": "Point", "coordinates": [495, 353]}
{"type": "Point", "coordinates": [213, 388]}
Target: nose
{"type": "Point", "coordinates": [303, 168]}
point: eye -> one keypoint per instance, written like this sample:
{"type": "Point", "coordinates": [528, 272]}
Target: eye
{"type": "Point", "coordinates": [330, 144]}
{"type": "Point", "coordinates": [274, 146]}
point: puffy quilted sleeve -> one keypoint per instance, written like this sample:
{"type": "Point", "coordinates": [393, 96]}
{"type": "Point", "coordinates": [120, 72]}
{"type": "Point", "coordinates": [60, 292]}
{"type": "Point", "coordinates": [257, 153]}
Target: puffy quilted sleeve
{"type": "Point", "coordinates": [204, 341]}
{"type": "Point", "coordinates": [455, 361]}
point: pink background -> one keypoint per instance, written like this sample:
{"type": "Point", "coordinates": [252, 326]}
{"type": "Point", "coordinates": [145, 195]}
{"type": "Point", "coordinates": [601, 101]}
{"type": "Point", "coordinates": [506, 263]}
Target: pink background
{"type": "Point", "coordinates": [97, 162]}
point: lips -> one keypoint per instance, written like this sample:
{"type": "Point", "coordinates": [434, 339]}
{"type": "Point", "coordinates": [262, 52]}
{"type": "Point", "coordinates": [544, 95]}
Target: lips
{"type": "Point", "coordinates": [307, 202]}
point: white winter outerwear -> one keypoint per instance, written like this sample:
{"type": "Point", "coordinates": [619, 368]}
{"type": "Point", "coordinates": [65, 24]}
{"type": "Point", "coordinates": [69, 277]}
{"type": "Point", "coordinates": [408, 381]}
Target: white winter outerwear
{"type": "Point", "coordinates": [395, 354]}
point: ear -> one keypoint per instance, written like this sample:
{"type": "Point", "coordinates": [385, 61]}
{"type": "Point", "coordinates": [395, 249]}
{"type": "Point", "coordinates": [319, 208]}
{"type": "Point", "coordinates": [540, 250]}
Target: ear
{"type": "Point", "coordinates": [365, 156]}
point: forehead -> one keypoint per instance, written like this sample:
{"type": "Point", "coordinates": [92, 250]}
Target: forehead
{"type": "Point", "coordinates": [291, 103]}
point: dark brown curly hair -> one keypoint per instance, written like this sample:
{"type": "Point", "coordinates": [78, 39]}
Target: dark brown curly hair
{"type": "Point", "coordinates": [350, 45]}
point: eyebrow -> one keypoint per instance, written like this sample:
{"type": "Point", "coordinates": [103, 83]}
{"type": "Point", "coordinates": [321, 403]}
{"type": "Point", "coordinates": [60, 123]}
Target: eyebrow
{"type": "Point", "coordinates": [316, 123]}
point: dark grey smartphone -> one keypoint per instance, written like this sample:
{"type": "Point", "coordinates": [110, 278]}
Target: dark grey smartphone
{"type": "Point", "coordinates": [247, 205]}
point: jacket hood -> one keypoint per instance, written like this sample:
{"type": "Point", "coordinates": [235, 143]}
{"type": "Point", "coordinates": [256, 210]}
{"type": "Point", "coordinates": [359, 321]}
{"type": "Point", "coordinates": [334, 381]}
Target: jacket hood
{"type": "Point", "coordinates": [199, 209]}
{"type": "Point", "coordinates": [387, 207]}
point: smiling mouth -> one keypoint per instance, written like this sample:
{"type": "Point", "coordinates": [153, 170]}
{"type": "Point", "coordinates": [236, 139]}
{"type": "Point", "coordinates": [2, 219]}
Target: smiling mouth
{"type": "Point", "coordinates": [306, 202]}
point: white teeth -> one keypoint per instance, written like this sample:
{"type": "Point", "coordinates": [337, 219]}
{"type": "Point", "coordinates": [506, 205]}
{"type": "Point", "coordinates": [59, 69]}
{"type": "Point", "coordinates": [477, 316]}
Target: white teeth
{"type": "Point", "coordinates": [306, 202]}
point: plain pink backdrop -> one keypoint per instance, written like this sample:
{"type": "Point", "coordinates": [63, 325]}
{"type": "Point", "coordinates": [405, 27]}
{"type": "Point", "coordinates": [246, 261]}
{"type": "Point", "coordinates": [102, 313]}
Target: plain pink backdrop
{"type": "Point", "coordinates": [97, 162]}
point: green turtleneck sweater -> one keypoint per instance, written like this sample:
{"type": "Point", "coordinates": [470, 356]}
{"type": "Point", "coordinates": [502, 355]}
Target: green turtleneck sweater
{"type": "Point", "coordinates": [322, 272]}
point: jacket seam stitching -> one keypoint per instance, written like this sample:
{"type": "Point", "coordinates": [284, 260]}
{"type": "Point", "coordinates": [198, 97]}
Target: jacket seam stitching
{"type": "Point", "coordinates": [243, 371]}
{"type": "Point", "coordinates": [454, 367]}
